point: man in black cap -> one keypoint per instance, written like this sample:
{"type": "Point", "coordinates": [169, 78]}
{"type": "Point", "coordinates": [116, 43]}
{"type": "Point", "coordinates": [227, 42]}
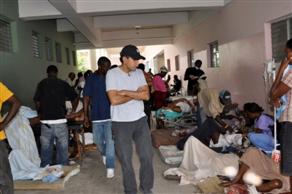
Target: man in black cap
{"type": "Point", "coordinates": [127, 88]}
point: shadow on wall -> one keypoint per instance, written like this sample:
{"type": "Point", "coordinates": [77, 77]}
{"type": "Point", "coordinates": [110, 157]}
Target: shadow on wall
{"type": "Point", "coordinates": [248, 84]}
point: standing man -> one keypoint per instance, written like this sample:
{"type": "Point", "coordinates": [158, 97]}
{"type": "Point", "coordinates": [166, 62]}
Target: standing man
{"type": "Point", "coordinates": [50, 97]}
{"type": "Point", "coordinates": [6, 180]}
{"type": "Point", "coordinates": [192, 75]}
{"type": "Point", "coordinates": [148, 103]}
{"type": "Point", "coordinates": [127, 88]}
{"type": "Point", "coordinates": [71, 78]}
{"type": "Point", "coordinates": [282, 87]}
{"type": "Point", "coordinates": [94, 93]}
{"type": "Point", "coordinates": [160, 88]}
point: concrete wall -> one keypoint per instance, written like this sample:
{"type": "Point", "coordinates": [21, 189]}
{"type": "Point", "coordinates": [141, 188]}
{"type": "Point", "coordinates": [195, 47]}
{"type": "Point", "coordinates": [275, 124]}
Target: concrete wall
{"type": "Point", "coordinates": [244, 46]}
{"type": "Point", "coordinates": [19, 69]}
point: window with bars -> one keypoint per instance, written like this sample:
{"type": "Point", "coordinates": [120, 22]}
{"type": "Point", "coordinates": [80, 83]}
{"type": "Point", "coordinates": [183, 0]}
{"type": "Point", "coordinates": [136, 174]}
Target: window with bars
{"type": "Point", "coordinates": [214, 54]}
{"type": "Point", "coordinates": [74, 58]}
{"type": "Point", "coordinates": [58, 52]}
{"type": "Point", "coordinates": [5, 36]}
{"type": "Point", "coordinates": [168, 64]}
{"type": "Point", "coordinates": [49, 49]}
{"type": "Point", "coordinates": [177, 63]}
{"type": "Point", "coordinates": [281, 32]}
{"type": "Point", "coordinates": [35, 44]}
{"type": "Point", "coordinates": [190, 55]}
{"type": "Point", "coordinates": [67, 56]}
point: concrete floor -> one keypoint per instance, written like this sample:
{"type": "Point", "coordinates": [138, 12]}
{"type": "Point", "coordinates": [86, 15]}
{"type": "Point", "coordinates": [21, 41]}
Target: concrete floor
{"type": "Point", "coordinates": [92, 180]}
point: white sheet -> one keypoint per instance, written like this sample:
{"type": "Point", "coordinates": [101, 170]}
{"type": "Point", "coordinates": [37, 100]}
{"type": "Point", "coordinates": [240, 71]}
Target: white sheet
{"type": "Point", "coordinates": [200, 162]}
{"type": "Point", "coordinates": [24, 158]}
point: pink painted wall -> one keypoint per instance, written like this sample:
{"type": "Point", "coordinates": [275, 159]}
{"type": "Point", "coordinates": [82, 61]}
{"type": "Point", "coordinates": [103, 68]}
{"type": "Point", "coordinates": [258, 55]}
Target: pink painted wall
{"type": "Point", "coordinates": [243, 36]}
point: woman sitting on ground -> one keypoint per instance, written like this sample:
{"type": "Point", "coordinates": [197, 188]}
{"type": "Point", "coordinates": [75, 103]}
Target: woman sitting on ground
{"type": "Point", "coordinates": [262, 165]}
{"type": "Point", "coordinates": [261, 136]}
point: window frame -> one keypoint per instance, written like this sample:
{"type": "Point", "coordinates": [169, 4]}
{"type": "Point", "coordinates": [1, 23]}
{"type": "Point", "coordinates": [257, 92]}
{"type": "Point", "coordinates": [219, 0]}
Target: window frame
{"type": "Point", "coordinates": [74, 55]}
{"type": "Point", "coordinates": [6, 35]}
{"type": "Point", "coordinates": [214, 55]}
{"type": "Point", "coordinates": [58, 52]}
{"type": "Point", "coordinates": [177, 65]}
{"type": "Point", "coordinates": [279, 37]}
{"type": "Point", "coordinates": [168, 64]}
{"type": "Point", "coordinates": [49, 49]}
{"type": "Point", "coordinates": [190, 56]}
{"type": "Point", "coordinates": [67, 52]}
{"type": "Point", "coordinates": [35, 44]}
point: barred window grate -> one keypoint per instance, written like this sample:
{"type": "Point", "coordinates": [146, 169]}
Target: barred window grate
{"type": "Point", "coordinates": [58, 52]}
{"type": "Point", "coordinates": [67, 56]}
{"type": "Point", "coordinates": [168, 65]}
{"type": "Point", "coordinates": [190, 55]}
{"type": "Point", "coordinates": [279, 38]}
{"type": "Point", "coordinates": [177, 65]}
{"type": "Point", "coordinates": [49, 49]}
{"type": "Point", "coordinates": [5, 36]}
{"type": "Point", "coordinates": [35, 44]}
{"type": "Point", "coordinates": [214, 54]}
{"type": "Point", "coordinates": [74, 58]}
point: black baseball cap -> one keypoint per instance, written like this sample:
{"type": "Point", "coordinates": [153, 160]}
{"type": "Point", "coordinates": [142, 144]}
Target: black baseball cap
{"type": "Point", "coordinates": [131, 51]}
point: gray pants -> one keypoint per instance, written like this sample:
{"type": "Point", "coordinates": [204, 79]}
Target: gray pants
{"type": "Point", "coordinates": [286, 148]}
{"type": "Point", "coordinates": [6, 181]}
{"type": "Point", "coordinates": [124, 133]}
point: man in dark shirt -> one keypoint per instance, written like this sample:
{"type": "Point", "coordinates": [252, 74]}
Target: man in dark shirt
{"type": "Point", "coordinates": [192, 74]}
{"type": "Point", "coordinates": [177, 83]}
{"type": "Point", "coordinates": [50, 98]}
{"type": "Point", "coordinates": [94, 94]}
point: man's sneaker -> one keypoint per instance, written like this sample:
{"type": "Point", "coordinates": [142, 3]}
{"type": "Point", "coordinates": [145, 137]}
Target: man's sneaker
{"type": "Point", "coordinates": [104, 160]}
{"type": "Point", "coordinates": [110, 173]}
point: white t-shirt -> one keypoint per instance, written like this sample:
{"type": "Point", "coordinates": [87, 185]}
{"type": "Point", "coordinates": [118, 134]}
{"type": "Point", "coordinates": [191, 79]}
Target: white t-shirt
{"type": "Point", "coordinates": [116, 79]}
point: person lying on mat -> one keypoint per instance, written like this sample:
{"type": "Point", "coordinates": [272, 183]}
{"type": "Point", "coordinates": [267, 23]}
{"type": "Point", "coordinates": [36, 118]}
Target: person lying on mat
{"type": "Point", "coordinates": [180, 105]}
{"type": "Point", "coordinates": [260, 164]}
{"type": "Point", "coordinates": [173, 111]}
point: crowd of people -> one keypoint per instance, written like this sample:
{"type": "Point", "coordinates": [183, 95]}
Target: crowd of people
{"type": "Point", "coordinates": [243, 139]}
{"type": "Point", "coordinates": [116, 102]}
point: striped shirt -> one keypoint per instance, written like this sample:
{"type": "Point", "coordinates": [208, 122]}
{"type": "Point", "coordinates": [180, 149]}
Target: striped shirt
{"type": "Point", "coordinates": [287, 114]}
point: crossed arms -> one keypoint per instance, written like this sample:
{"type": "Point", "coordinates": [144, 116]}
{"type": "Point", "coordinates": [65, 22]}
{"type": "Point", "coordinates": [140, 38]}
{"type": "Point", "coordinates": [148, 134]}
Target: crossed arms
{"type": "Point", "coordinates": [122, 96]}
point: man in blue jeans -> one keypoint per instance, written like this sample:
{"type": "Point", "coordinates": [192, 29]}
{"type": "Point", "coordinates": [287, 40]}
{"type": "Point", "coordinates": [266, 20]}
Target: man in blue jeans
{"type": "Point", "coordinates": [94, 93]}
{"type": "Point", "coordinates": [127, 88]}
{"type": "Point", "coordinates": [50, 97]}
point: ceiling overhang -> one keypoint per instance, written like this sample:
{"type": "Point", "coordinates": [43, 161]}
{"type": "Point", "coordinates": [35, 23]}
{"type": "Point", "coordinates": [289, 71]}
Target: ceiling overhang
{"type": "Point", "coordinates": [104, 24]}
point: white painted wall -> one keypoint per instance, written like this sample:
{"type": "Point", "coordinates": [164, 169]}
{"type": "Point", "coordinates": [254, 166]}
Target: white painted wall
{"type": "Point", "coordinates": [240, 30]}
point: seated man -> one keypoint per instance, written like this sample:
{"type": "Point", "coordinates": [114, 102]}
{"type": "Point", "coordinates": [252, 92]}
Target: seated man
{"type": "Point", "coordinates": [215, 107]}
{"type": "Point", "coordinates": [176, 86]}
